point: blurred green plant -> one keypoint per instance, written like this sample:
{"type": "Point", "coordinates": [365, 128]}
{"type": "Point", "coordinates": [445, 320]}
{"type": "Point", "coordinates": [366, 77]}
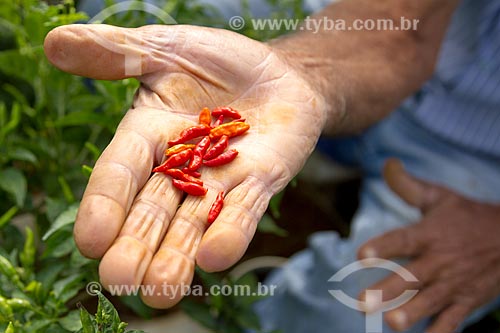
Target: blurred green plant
{"type": "Point", "coordinates": [231, 313]}
{"type": "Point", "coordinates": [53, 127]}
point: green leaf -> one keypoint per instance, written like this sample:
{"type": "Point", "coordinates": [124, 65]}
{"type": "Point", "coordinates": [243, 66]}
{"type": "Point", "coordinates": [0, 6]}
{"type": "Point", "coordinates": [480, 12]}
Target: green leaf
{"type": "Point", "coordinates": [71, 321]}
{"type": "Point", "coordinates": [19, 304]}
{"type": "Point", "coordinates": [8, 215]}
{"type": "Point", "coordinates": [208, 279]}
{"type": "Point", "coordinates": [61, 246]}
{"type": "Point", "coordinates": [248, 319]}
{"type": "Point", "coordinates": [10, 328]}
{"type": "Point", "coordinates": [267, 225]}
{"type": "Point", "coordinates": [23, 154]}
{"type": "Point", "coordinates": [86, 170]}
{"type": "Point", "coordinates": [68, 287]}
{"type": "Point", "coordinates": [137, 305]}
{"type": "Point", "coordinates": [84, 118]}
{"type": "Point", "coordinates": [65, 218]}
{"type": "Point", "coordinates": [7, 269]}
{"type": "Point", "coordinates": [199, 312]}
{"type": "Point", "coordinates": [13, 122]}
{"type": "Point", "coordinates": [85, 103]}
{"type": "Point", "coordinates": [87, 321]}
{"type": "Point", "coordinates": [68, 194]}
{"type": "Point", "coordinates": [6, 312]}
{"type": "Point", "coordinates": [275, 204]}
{"type": "Point", "coordinates": [77, 260]}
{"type": "Point", "coordinates": [27, 257]}
{"type": "Point", "coordinates": [55, 207]}
{"type": "Point", "coordinates": [107, 317]}
{"type": "Point", "coordinates": [96, 152]}
{"type": "Point", "coordinates": [249, 279]}
{"type": "Point", "coordinates": [35, 291]}
{"type": "Point", "coordinates": [39, 325]}
{"type": "Point", "coordinates": [13, 182]}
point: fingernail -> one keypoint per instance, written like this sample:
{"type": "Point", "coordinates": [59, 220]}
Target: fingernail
{"type": "Point", "coordinates": [400, 319]}
{"type": "Point", "coordinates": [369, 252]}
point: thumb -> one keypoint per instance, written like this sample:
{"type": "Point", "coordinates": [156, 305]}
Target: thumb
{"type": "Point", "coordinates": [107, 52]}
{"type": "Point", "coordinates": [415, 192]}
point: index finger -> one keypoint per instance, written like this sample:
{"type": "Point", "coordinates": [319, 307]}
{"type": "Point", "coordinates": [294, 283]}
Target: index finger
{"type": "Point", "coordinates": [398, 243]}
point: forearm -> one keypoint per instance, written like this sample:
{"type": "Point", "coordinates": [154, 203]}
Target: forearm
{"type": "Point", "coordinates": [363, 75]}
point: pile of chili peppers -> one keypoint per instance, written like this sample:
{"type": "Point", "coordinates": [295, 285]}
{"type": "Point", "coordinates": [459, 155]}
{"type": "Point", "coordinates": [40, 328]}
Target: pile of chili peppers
{"type": "Point", "coordinates": [185, 158]}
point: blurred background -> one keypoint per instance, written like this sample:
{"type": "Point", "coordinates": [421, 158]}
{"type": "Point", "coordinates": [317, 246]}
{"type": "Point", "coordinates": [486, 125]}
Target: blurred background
{"type": "Point", "coordinates": [53, 127]}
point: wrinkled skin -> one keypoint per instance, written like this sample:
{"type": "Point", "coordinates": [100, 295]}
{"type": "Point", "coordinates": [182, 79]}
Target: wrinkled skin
{"type": "Point", "coordinates": [455, 251]}
{"type": "Point", "coordinates": [139, 224]}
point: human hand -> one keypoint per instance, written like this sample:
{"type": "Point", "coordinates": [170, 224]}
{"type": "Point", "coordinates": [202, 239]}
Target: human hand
{"type": "Point", "coordinates": [454, 251]}
{"type": "Point", "coordinates": [137, 222]}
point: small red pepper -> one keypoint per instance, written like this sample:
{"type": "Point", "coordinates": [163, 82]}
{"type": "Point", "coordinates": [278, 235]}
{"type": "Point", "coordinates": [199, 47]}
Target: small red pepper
{"type": "Point", "coordinates": [191, 133]}
{"type": "Point", "coordinates": [190, 188]}
{"type": "Point", "coordinates": [178, 174]}
{"type": "Point", "coordinates": [202, 146]}
{"type": "Point", "coordinates": [217, 148]}
{"type": "Point", "coordinates": [230, 129]}
{"type": "Point", "coordinates": [178, 148]}
{"type": "Point", "coordinates": [216, 208]}
{"type": "Point", "coordinates": [218, 122]}
{"type": "Point", "coordinates": [196, 161]}
{"type": "Point", "coordinates": [205, 118]}
{"type": "Point", "coordinates": [198, 152]}
{"type": "Point", "coordinates": [222, 159]}
{"type": "Point", "coordinates": [226, 111]}
{"type": "Point", "coordinates": [193, 173]}
{"type": "Point", "coordinates": [175, 161]}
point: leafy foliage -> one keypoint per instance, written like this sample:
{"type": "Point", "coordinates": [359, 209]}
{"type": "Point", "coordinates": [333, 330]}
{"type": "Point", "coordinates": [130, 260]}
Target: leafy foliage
{"type": "Point", "coordinates": [106, 319]}
{"type": "Point", "coordinates": [224, 313]}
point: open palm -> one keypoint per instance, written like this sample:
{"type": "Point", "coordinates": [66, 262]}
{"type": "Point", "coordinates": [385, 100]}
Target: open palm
{"type": "Point", "coordinates": [139, 223]}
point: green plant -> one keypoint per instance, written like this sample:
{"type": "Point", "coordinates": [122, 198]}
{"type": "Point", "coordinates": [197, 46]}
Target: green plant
{"type": "Point", "coordinates": [106, 319]}
{"type": "Point", "coordinates": [53, 127]}
{"type": "Point", "coordinates": [231, 313]}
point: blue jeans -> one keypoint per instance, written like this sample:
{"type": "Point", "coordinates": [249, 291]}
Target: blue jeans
{"type": "Point", "coordinates": [302, 302]}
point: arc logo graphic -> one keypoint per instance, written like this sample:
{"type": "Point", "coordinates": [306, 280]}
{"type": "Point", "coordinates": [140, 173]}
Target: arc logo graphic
{"type": "Point", "coordinates": [130, 46]}
{"type": "Point", "coordinates": [374, 320]}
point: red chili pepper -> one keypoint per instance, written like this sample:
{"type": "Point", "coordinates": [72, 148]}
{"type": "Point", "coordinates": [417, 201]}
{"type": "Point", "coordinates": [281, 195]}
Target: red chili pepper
{"type": "Point", "coordinates": [198, 152]}
{"type": "Point", "coordinates": [205, 118]}
{"type": "Point", "coordinates": [230, 129]}
{"type": "Point", "coordinates": [202, 146]}
{"type": "Point", "coordinates": [218, 122]}
{"type": "Point", "coordinates": [178, 148]}
{"type": "Point", "coordinates": [193, 173]}
{"type": "Point", "coordinates": [178, 174]}
{"type": "Point", "coordinates": [216, 208]}
{"type": "Point", "coordinates": [175, 161]}
{"type": "Point", "coordinates": [196, 161]}
{"type": "Point", "coordinates": [191, 133]}
{"type": "Point", "coordinates": [190, 188]}
{"type": "Point", "coordinates": [241, 120]}
{"type": "Point", "coordinates": [217, 148]}
{"type": "Point", "coordinates": [226, 111]}
{"type": "Point", "coordinates": [222, 159]}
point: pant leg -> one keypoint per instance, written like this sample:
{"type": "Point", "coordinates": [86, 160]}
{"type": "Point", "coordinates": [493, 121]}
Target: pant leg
{"type": "Point", "coordinates": [301, 302]}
